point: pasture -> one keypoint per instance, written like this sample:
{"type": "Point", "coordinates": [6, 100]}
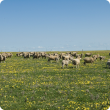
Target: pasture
{"type": "Point", "coordinates": [36, 84]}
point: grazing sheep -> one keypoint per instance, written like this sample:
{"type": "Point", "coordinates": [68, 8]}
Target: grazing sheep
{"type": "Point", "coordinates": [74, 54]}
{"type": "Point", "coordinates": [76, 62]}
{"type": "Point", "coordinates": [108, 63]}
{"type": "Point", "coordinates": [56, 54]}
{"type": "Point", "coordinates": [89, 60]}
{"type": "Point", "coordinates": [19, 54]}
{"type": "Point", "coordinates": [79, 55]}
{"type": "Point", "coordinates": [42, 54]}
{"type": "Point", "coordinates": [88, 54]}
{"type": "Point", "coordinates": [102, 57]}
{"type": "Point", "coordinates": [32, 53]}
{"type": "Point", "coordinates": [2, 58]}
{"type": "Point", "coordinates": [9, 55]}
{"type": "Point", "coordinates": [65, 62]}
{"type": "Point", "coordinates": [46, 56]}
{"type": "Point", "coordinates": [65, 57]}
{"type": "Point", "coordinates": [56, 58]}
{"type": "Point", "coordinates": [96, 56]}
{"type": "Point", "coordinates": [36, 55]}
{"type": "Point", "coordinates": [60, 55]}
{"type": "Point", "coordinates": [5, 54]}
{"type": "Point", "coordinates": [27, 55]}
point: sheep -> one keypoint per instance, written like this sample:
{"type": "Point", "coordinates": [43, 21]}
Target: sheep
{"type": "Point", "coordinates": [19, 54]}
{"type": "Point", "coordinates": [56, 58]}
{"type": "Point", "coordinates": [108, 63]}
{"type": "Point", "coordinates": [36, 55]}
{"type": "Point", "coordinates": [31, 53]}
{"type": "Point", "coordinates": [5, 54]}
{"type": "Point", "coordinates": [102, 58]}
{"type": "Point", "coordinates": [96, 56]}
{"type": "Point", "coordinates": [27, 55]}
{"type": "Point", "coordinates": [66, 57]}
{"type": "Point", "coordinates": [76, 62]}
{"type": "Point", "coordinates": [2, 58]}
{"type": "Point", "coordinates": [88, 54]}
{"type": "Point", "coordinates": [74, 54]}
{"type": "Point", "coordinates": [9, 55]}
{"type": "Point", "coordinates": [89, 60]}
{"type": "Point", "coordinates": [79, 55]}
{"type": "Point", "coordinates": [56, 54]}
{"type": "Point", "coordinates": [46, 56]}
{"type": "Point", "coordinates": [65, 62]}
{"type": "Point", "coordinates": [60, 55]}
{"type": "Point", "coordinates": [42, 54]}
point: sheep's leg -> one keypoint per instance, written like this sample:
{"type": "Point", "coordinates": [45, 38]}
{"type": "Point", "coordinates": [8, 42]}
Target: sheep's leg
{"type": "Point", "coordinates": [73, 65]}
{"type": "Point", "coordinates": [67, 65]}
{"type": "Point", "coordinates": [57, 61]}
{"type": "Point", "coordinates": [84, 63]}
{"type": "Point", "coordinates": [63, 66]}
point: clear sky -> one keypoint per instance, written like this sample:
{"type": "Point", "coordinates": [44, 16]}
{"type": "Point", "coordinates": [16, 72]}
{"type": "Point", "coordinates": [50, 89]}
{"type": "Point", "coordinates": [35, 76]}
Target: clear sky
{"type": "Point", "coordinates": [54, 25]}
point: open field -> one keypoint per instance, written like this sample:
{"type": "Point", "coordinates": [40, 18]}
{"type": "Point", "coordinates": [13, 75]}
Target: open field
{"type": "Point", "coordinates": [36, 84]}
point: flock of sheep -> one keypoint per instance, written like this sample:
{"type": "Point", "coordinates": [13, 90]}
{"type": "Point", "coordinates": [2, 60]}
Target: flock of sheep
{"type": "Point", "coordinates": [3, 56]}
{"type": "Point", "coordinates": [65, 57]}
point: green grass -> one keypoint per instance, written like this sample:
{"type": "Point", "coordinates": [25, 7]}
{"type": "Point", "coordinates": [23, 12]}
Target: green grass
{"type": "Point", "coordinates": [38, 84]}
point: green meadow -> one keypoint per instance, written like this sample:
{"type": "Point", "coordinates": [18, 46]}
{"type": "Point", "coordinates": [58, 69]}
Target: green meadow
{"type": "Point", "coordinates": [36, 84]}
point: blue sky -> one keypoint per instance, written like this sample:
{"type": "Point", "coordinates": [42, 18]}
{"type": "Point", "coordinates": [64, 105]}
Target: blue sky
{"type": "Point", "coordinates": [54, 25]}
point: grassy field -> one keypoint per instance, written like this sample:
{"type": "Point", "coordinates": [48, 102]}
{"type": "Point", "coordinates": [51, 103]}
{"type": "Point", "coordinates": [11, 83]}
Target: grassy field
{"type": "Point", "coordinates": [36, 84]}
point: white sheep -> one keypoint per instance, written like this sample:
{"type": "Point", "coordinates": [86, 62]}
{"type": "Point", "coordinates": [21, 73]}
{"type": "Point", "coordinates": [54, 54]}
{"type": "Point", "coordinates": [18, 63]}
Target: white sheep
{"type": "Point", "coordinates": [66, 57]}
{"type": "Point", "coordinates": [88, 54]}
{"type": "Point", "coordinates": [102, 58]}
{"type": "Point", "coordinates": [65, 62]}
{"type": "Point", "coordinates": [79, 55]}
{"type": "Point", "coordinates": [27, 55]}
{"type": "Point", "coordinates": [89, 60]}
{"type": "Point", "coordinates": [76, 62]}
{"type": "Point", "coordinates": [2, 58]}
{"type": "Point", "coordinates": [97, 56]}
{"type": "Point", "coordinates": [73, 54]}
{"type": "Point", "coordinates": [51, 57]}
